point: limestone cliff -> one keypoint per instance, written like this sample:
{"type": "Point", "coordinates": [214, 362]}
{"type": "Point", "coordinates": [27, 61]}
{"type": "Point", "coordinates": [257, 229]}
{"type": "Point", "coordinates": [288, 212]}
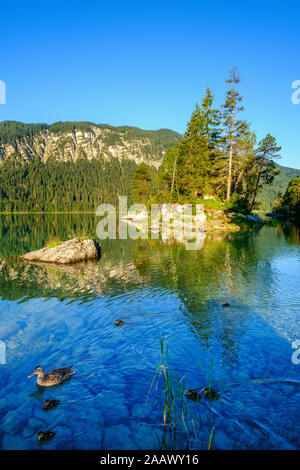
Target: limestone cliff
{"type": "Point", "coordinates": [71, 141]}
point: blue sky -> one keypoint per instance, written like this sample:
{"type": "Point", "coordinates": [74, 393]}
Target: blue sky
{"type": "Point", "coordinates": [146, 63]}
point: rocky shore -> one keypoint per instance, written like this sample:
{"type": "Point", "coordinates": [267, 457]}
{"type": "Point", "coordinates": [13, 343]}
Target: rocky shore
{"type": "Point", "coordinates": [68, 252]}
{"type": "Point", "coordinates": [173, 217]}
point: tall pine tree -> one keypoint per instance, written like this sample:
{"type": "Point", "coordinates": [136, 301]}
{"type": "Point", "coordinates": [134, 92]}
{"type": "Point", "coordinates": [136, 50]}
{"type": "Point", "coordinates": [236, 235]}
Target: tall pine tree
{"type": "Point", "coordinates": [231, 109]}
{"type": "Point", "coordinates": [266, 170]}
{"type": "Point", "coordinates": [193, 159]}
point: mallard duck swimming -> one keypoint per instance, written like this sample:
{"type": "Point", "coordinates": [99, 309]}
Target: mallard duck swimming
{"type": "Point", "coordinates": [45, 435]}
{"type": "Point", "coordinates": [49, 404]}
{"type": "Point", "coordinates": [211, 394]}
{"type": "Point", "coordinates": [193, 395]}
{"type": "Point", "coordinates": [119, 322]}
{"type": "Point", "coordinates": [54, 377]}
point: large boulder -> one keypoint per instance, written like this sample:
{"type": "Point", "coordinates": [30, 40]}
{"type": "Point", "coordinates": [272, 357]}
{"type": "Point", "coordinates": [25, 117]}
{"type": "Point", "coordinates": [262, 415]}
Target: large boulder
{"type": "Point", "coordinates": [71, 251]}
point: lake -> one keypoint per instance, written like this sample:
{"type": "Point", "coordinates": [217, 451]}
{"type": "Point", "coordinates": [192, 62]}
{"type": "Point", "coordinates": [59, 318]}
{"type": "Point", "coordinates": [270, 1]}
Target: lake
{"type": "Point", "coordinates": [56, 316]}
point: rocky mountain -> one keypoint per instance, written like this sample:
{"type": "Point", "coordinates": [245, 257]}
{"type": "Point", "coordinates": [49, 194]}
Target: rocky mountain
{"type": "Point", "coordinates": [70, 141]}
{"type": "Point", "coordinates": [85, 163]}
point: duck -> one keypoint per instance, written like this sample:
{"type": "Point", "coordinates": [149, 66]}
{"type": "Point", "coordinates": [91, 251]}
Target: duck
{"type": "Point", "coordinates": [119, 322]}
{"type": "Point", "coordinates": [211, 394]}
{"type": "Point", "coordinates": [49, 404]}
{"type": "Point", "coordinates": [193, 395]}
{"type": "Point", "coordinates": [54, 377]}
{"type": "Point", "coordinates": [45, 435]}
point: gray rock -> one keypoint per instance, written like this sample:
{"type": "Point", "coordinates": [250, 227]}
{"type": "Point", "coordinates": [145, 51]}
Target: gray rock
{"type": "Point", "coordinates": [71, 251]}
{"type": "Point", "coordinates": [117, 411]}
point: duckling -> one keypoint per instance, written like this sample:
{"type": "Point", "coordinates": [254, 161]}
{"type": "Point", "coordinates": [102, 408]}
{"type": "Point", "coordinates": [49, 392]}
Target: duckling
{"type": "Point", "coordinates": [44, 436]}
{"type": "Point", "coordinates": [54, 377]}
{"type": "Point", "coordinates": [49, 404]}
{"type": "Point", "coordinates": [119, 322]}
{"type": "Point", "coordinates": [193, 395]}
{"type": "Point", "coordinates": [210, 394]}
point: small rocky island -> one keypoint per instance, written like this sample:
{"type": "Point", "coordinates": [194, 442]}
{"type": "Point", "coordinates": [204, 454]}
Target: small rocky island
{"type": "Point", "coordinates": [68, 252]}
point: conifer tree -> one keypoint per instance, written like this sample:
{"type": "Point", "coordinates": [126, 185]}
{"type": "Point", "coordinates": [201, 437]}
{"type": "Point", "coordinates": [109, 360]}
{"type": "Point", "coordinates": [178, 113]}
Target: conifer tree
{"type": "Point", "coordinates": [193, 158]}
{"type": "Point", "coordinates": [231, 109]}
{"type": "Point", "coordinates": [141, 190]}
{"type": "Point", "coordinates": [291, 197]}
{"type": "Point", "coordinates": [167, 172]}
{"type": "Point", "coordinates": [212, 121]}
{"type": "Point", "coordinates": [266, 170]}
{"type": "Point", "coordinates": [214, 139]}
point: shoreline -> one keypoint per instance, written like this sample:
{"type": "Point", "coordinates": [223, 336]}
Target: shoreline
{"type": "Point", "coordinates": [216, 220]}
{"type": "Point", "coordinates": [46, 212]}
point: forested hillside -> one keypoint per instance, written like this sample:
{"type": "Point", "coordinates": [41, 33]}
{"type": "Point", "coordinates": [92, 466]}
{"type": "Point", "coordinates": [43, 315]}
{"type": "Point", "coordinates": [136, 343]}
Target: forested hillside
{"type": "Point", "coordinates": [72, 166]}
{"type": "Point", "coordinates": [269, 195]}
{"type": "Point", "coordinates": [58, 186]}
{"type": "Point", "coordinates": [291, 199]}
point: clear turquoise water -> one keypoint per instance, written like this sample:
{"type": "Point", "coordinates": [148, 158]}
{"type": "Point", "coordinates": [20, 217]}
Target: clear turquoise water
{"type": "Point", "coordinates": [57, 316]}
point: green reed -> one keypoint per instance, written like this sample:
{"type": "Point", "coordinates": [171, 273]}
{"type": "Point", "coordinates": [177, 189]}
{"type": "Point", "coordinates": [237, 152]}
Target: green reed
{"type": "Point", "coordinates": [182, 420]}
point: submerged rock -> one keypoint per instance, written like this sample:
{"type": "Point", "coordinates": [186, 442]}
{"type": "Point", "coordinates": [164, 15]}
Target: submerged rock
{"type": "Point", "coordinates": [15, 419]}
{"type": "Point", "coordinates": [145, 435]}
{"type": "Point", "coordinates": [32, 426]}
{"type": "Point", "coordinates": [16, 442]}
{"type": "Point", "coordinates": [118, 437]}
{"type": "Point", "coordinates": [71, 251]}
{"type": "Point", "coordinates": [117, 411]}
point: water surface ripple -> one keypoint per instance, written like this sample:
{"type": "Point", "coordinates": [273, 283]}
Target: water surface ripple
{"type": "Point", "coordinates": [56, 316]}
